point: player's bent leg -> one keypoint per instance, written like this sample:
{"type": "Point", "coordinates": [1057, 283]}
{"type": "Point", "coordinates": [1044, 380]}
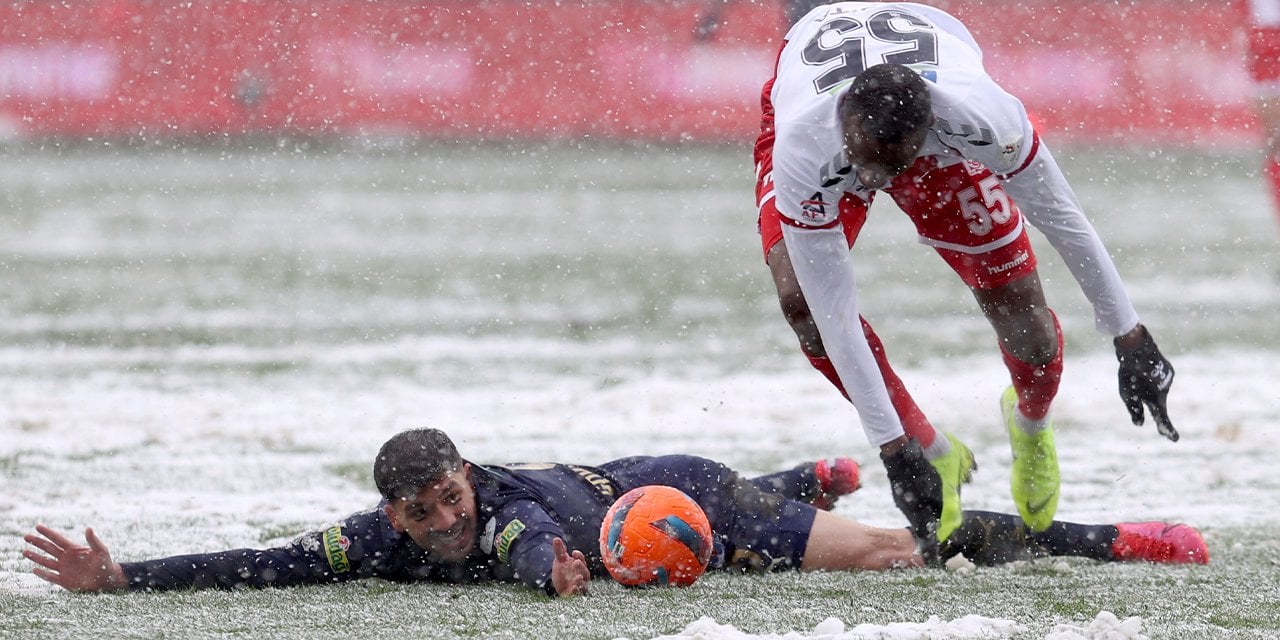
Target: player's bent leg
{"type": "Point", "coordinates": [840, 544]}
{"type": "Point", "coordinates": [1030, 340]}
{"type": "Point", "coordinates": [819, 484]}
{"type": "Point", "coordinates": [1034, 479]}
{"type": "Point", "coordinates": [1031, 343]}
{"type": "Point", "coordinates": [995, 259]}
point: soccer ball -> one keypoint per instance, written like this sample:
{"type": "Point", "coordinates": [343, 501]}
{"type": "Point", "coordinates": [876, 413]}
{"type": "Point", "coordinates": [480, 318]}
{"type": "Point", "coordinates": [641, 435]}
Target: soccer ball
{"type": "Point", "coordinates": [655, 536]}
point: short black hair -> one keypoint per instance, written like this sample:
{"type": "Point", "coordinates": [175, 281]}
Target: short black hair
{"type": "Point", "coordinates": [888, 103]}
{"type": "Point", "coordinates": [413, 459]}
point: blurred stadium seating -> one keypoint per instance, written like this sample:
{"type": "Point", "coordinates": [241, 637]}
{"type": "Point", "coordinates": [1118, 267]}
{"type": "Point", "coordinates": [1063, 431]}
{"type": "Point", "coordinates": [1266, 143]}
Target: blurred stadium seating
{"type": "Point", "coordinates": [1131, 71]}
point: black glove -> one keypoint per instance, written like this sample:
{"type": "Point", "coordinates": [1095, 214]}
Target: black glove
{"type": "Point", "coordinates": [1145, 378]}
{"type": "Point", "coordinates": [917, 491]}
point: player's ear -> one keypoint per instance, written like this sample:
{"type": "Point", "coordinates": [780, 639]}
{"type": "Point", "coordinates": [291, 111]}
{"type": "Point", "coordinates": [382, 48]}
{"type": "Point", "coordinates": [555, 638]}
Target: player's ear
{"type": "Point", "coordinates": [393, 517]}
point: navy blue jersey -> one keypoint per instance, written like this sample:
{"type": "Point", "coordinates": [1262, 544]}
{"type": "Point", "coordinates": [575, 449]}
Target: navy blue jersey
{"type": "Point", "coordinates": [521, 508]}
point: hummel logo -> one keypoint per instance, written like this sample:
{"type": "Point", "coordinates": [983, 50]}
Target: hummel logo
{"type": "Point", "coordinates": [1162, 376]}
{"type": "Point", "coordinates": [975, 136]}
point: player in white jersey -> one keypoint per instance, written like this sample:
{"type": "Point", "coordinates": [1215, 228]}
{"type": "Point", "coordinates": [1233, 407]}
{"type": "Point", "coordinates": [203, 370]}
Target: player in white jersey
{"type": "Point", "coordinates": [1264, 68]}
{"type": "Point", "coordinates": [892, 97]}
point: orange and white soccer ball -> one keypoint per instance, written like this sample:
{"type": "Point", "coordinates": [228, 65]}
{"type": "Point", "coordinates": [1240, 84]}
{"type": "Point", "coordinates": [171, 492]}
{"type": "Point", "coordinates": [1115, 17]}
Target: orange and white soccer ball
{"type": "Point", "coordinates": [655, 536]}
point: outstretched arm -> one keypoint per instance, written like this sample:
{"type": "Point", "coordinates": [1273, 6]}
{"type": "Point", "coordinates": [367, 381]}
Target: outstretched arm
{"type": "Point", "coordinates": [824, 269]}
{"type": "Point", "coordinates": [1044, 197]}
{"type": "Point", "coordinates": [73, 566]}
{"type": "Point", "coordinates": [532, 548]}
{"type": "Point", "coordinates": [355, 548]}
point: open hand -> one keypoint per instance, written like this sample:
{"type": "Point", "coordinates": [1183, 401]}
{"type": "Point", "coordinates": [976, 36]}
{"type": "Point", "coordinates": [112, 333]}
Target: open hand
{"type": "Point", "coordinates": [569, 573]}
{"type": "Point", "coordinates": [72, 566]}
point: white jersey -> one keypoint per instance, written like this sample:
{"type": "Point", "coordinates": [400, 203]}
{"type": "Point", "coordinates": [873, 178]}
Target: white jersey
{"type": "Point", "coordinates": [975, 120]}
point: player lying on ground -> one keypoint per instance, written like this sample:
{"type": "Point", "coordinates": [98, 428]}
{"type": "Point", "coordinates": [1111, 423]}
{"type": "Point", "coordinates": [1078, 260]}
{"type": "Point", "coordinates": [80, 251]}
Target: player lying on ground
{"type": "Point", "coordinates": [445, 519]}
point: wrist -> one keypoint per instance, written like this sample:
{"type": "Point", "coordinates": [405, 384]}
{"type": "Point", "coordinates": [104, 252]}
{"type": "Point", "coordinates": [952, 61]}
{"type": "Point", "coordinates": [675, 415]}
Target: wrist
{"type": "Point", "coordinates": [1131, 341]}
{"type": "Point", "coordinates": [894, 446]}
{"type": "Point", "coordinates": [116, 579]}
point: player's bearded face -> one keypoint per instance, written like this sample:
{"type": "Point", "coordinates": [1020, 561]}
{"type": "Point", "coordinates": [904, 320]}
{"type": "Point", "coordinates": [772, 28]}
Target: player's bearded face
{"type": "Point", "coordinates": [441, 518]}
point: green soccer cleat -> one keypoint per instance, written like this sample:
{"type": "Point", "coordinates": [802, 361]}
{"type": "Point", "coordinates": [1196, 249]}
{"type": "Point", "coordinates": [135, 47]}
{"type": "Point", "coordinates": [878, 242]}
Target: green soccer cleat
{"type": "Point", "coordinates": [1035, 479]}
{"type": "Point", "coordinates": [956, 468]}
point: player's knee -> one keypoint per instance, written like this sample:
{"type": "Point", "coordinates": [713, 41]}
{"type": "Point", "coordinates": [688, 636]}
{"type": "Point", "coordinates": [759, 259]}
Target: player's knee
{"type": "Point", "coordinates": [1030, 336]}
{"type": "Point", "coordinates": [794, 306]}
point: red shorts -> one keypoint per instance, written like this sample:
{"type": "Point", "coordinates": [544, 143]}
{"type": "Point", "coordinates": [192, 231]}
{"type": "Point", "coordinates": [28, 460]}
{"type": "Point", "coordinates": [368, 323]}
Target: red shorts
{"type": "Point", "coordinates": [961, 210]}
{"type": "Point", "coordinates": [1264, 54]}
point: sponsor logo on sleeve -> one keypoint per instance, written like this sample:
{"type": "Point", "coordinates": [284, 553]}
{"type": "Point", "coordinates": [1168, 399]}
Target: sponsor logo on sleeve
{"type": "Point", "coordinates": [335, 550]}
{"type": "Point", "coordinates": [508, 536]}
{"type": "Point", "coordinates": [814, 209]}
{"type": "Point", "coordinates": [486, 538]}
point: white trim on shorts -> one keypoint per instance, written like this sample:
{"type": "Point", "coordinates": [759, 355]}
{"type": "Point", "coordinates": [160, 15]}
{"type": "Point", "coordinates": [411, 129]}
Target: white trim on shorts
{"type": "Point", "coordinates": [1005, 240]}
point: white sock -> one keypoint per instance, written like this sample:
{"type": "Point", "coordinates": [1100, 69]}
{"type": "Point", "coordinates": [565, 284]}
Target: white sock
{"type": "Point", "coordinates": [941, 446]}
{"type": "Point", "coordinates": [1029, 426]}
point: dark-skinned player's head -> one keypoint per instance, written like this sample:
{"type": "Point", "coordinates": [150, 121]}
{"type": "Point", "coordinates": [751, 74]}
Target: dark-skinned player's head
{"type": "Point", "coordinates": [886, 114]}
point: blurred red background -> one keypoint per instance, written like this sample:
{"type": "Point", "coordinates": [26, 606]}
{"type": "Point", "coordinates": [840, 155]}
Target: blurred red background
{"type": "Point", "coordinates": [1145, 72]}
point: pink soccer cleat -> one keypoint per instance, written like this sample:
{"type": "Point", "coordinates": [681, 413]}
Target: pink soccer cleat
{"type": "Point", "coordinates": [1159, 542]}
{"type": "Point", "coordinates": [839, 477]}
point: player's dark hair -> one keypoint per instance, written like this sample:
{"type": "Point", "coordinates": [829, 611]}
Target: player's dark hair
{"type": "Point", "coordinates": [888, 102]}
{"type": "Point", "coordinates": [414, 459]}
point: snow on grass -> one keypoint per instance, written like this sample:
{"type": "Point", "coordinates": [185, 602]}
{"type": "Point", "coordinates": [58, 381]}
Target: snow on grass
{"type": "Point", "coordinates": [161, 467]}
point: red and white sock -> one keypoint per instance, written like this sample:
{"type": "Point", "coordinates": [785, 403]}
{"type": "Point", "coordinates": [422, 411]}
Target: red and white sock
{"type": "Point", "coordinates": [1037, 385]}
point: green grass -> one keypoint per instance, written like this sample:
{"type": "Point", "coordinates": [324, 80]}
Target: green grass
{"type": "Point", "coordinates": [1234, 597]}
{"type": "Point", "coordinates": [202, 349]}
